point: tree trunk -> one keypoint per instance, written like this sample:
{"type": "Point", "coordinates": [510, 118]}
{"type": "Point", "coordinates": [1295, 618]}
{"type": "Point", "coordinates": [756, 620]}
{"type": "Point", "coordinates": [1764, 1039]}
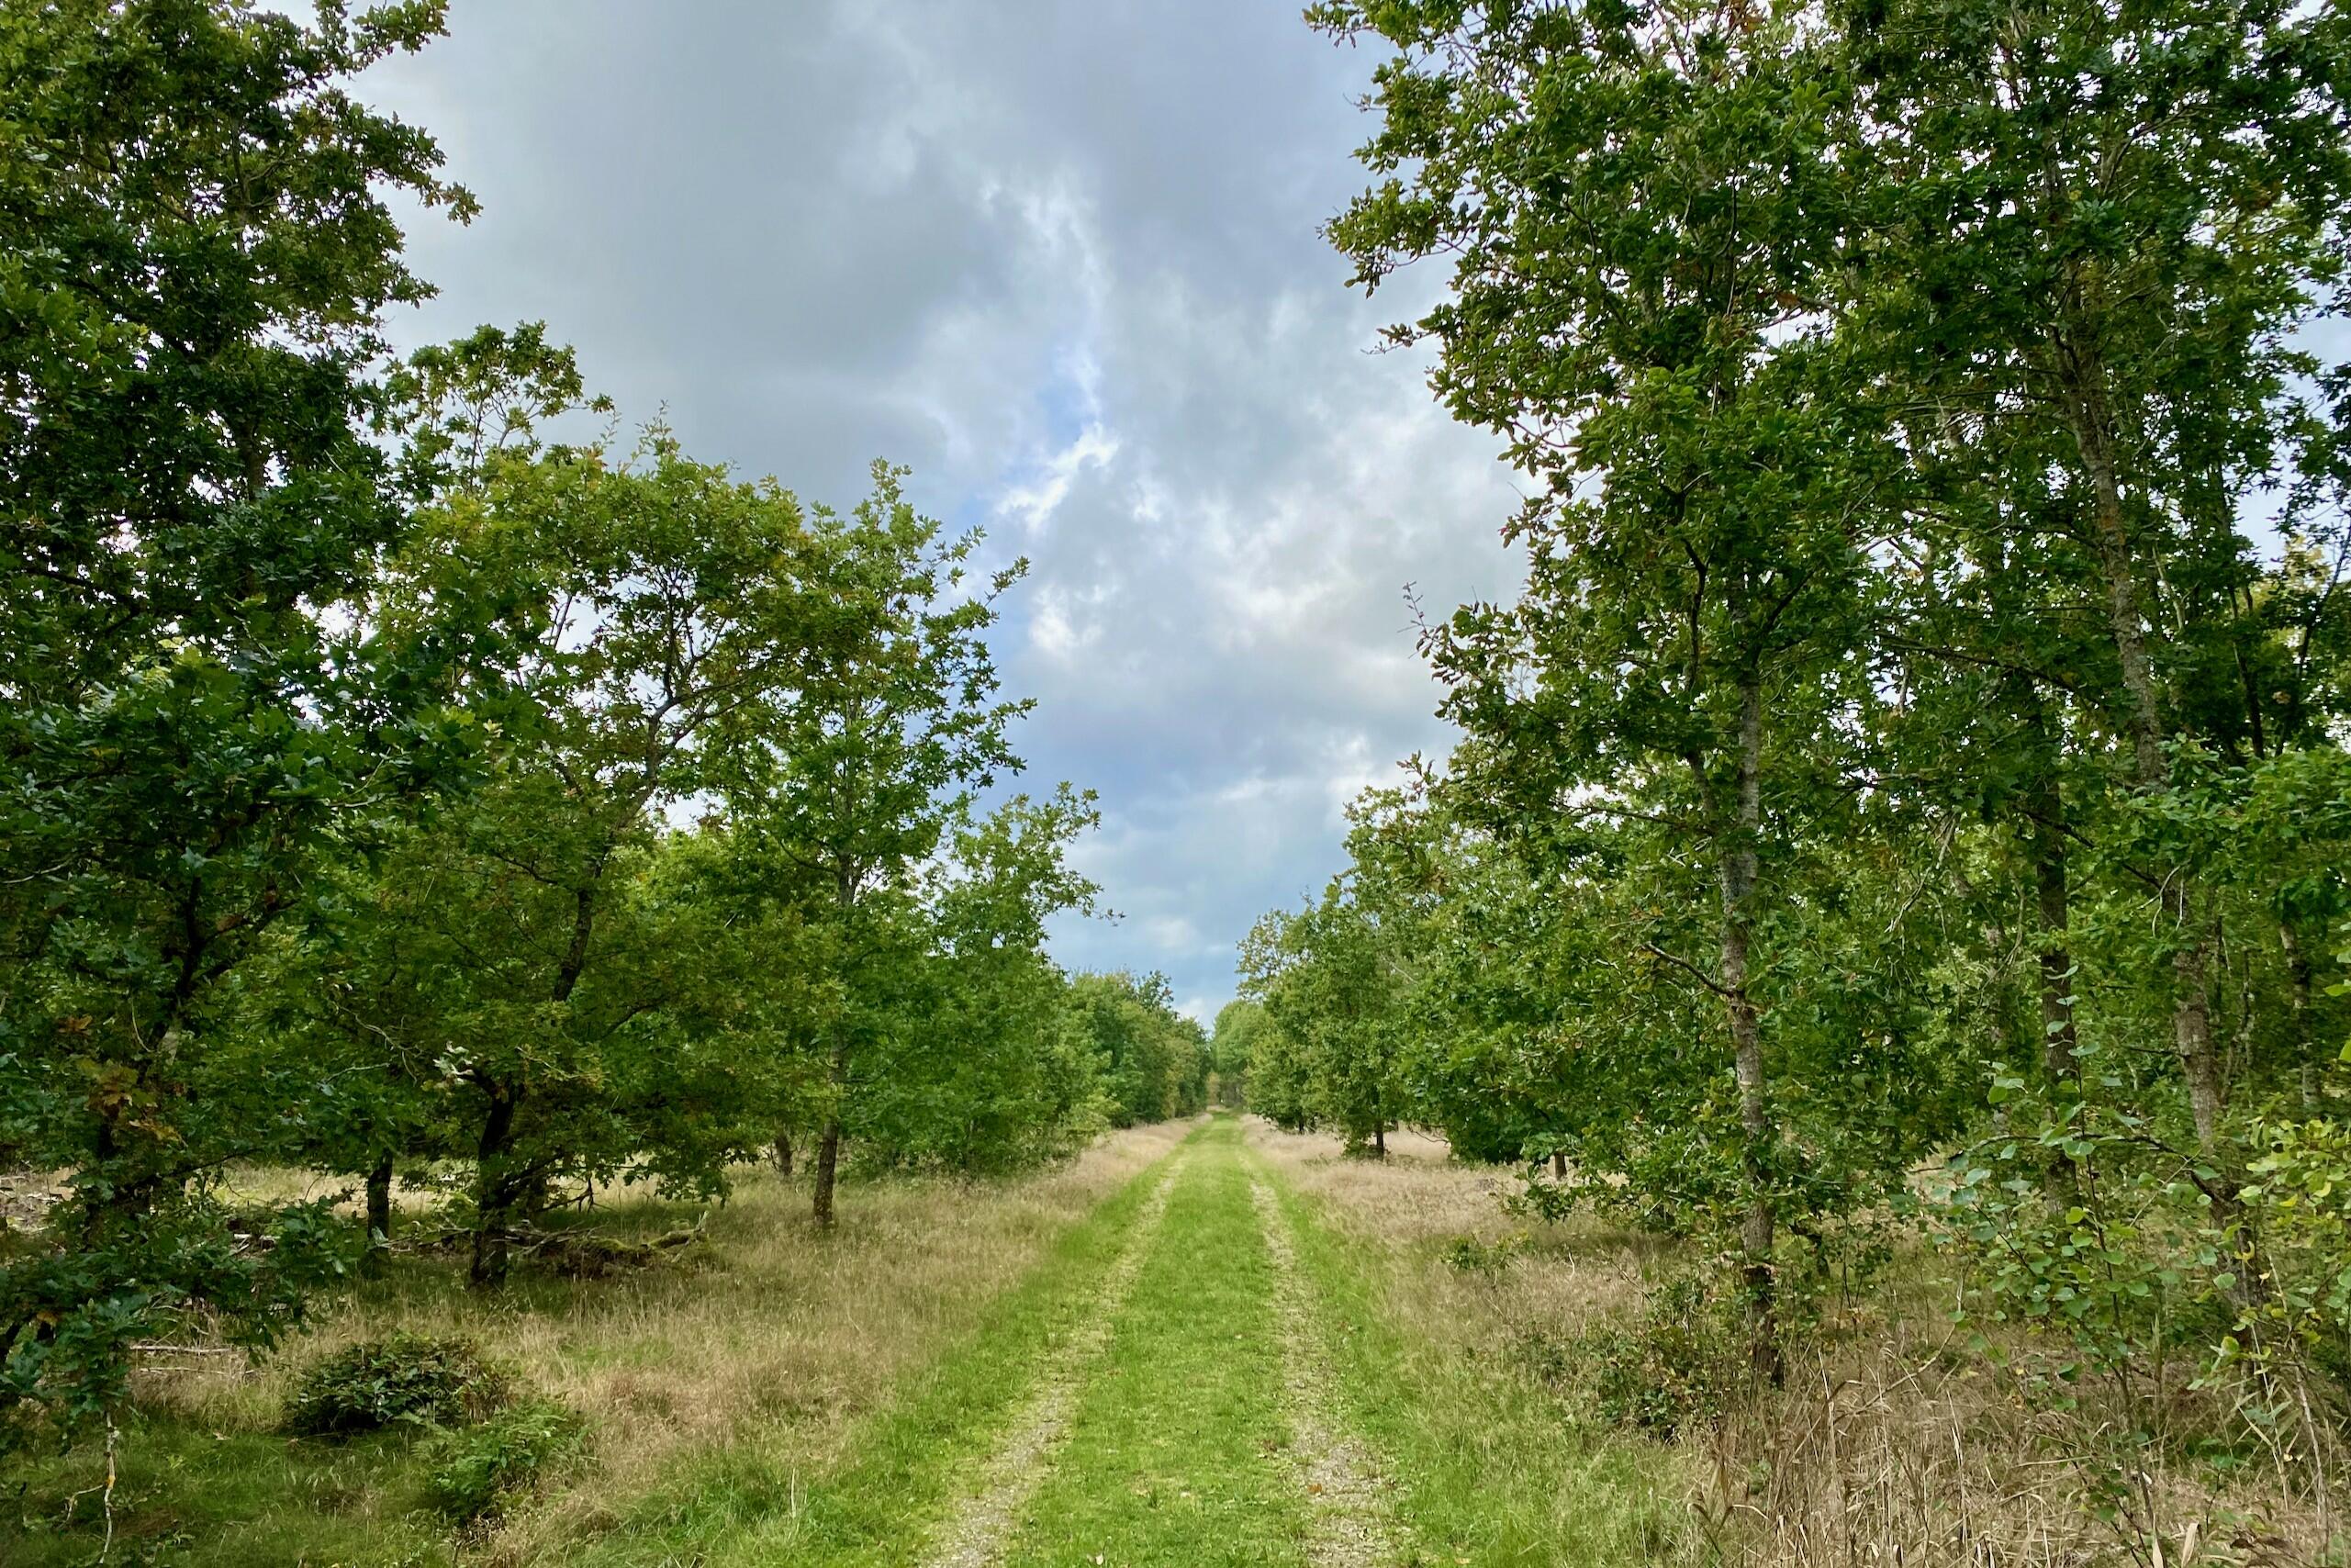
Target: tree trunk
{"type": "Point", "coordinates": [2045, 841]}
{"type": "Point", "coordinates": [1380, 1140]}
{"type": "Point", "coordinates": [783, 1153]}
{"type": "Point", "coordinates": [2298, 965]}
{"type": "Point", "coordinates": [379, 1203]}
{"type": "Point", "coordinates": [2192, 1007]}
{"type": "Point", "coordinates": [1738, 871]}
{"type": "Point", "coordinates": [828, 1164]}
{"type": "Point", "coordinates": [2093, 424]}
{"type": "Point", "coordinates": [1558, 1166]}
{"type": "Point", "coordinates": [2192, 1023]}
{"type": "Point", "coordinates": [493, 1190]}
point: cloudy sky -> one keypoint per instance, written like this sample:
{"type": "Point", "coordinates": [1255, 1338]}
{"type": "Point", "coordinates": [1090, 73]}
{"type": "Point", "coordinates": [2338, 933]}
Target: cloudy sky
{"type": "Point", "coordinates": [1061, 256]}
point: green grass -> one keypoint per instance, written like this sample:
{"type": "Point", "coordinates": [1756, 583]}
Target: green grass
{"type": "Point", "coordinates": [1491, 1472]}
{"type": "Point", "coordinates": [241, 1500]}
{"type": "Point", "coordinates": [1172, 1454]}
{"type": "Point", "coordinates": [735, 1509]}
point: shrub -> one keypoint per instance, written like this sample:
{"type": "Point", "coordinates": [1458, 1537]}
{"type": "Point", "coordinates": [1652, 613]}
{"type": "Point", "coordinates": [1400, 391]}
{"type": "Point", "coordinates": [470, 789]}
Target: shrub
{"type": "Point", "coordinates": [477, 1472]}
{"type": "Point", "coordinates": [408, 1379]}
{"type": "Point", "coordinates": [1676, 1369]}
{"type": "Point", "coordinates": [1468, 1255]}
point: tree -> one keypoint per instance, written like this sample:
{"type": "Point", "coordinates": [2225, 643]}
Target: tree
{"type": "Point", "coordinates": [1153, 1062]}
{"type": "Point", "coordinates": [978, 1071]}
{"type": "Point", "coordinates": [1329, 978]}
{"type": "Point", "coordinates": [861, 773]}
{"type": "Point", "coordinates": [2103, 223]}
{"type": "Point", "coordinates": [1644, 216]}
{"type": "Point", "coordinates": [1240, 1024]}
{"type": "Point", "coordinates": [640, 625]}
{"type": "Point", "coordinates": [199, 252]}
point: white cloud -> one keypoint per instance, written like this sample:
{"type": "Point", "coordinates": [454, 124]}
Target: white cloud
{"type": "Point", "coordinates": [1062, 258]}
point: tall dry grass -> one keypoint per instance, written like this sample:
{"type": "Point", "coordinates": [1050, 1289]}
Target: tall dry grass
{"type": "Point", "coordinates": [1404, 1210]}
{"type": "Point", "coordinates": [767, 1334]}
{"type": "Point", "coordinates": [1896, 1440]}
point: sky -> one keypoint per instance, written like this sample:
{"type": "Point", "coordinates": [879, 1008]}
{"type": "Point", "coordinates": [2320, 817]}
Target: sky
{"type": "Point", "coordinates": [1062, 258]}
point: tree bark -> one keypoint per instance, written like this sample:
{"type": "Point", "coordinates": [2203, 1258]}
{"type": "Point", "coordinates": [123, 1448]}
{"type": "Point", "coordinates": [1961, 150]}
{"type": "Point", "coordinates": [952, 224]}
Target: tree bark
{"type": "Point", "coordinates": [1558, 1166]}
{"type": "Point", "coordinates": [783, 1153]}
{"type": "Point", "coordinates": [2093, 421]}
{"type": "Point", "coordinates": [2192, 1023]}
{"type": "Point", "coordinates": [2084, 376]}
{"type": "Point", "coordinates": [828, 1165]}
{"type": "Point", "coordinates": [1738, 873]}
{"type": "Point", "coordinates": [2298, 967]}
{"type": "Point", "coordinates": [493, 1190]}
{"type": "Point", "coordinates": [2045, 841]}
{"type": "Point", "coordinates": [379, 1203]}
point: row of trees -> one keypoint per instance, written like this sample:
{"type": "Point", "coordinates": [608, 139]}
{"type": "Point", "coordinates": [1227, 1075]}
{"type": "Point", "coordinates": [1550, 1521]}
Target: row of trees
{"type": "Point", "coordinates": [382, 779]}
{"type": "Point", "coordinates": [1920, 739]}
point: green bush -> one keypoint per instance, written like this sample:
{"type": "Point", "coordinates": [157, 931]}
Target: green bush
{"type": "Point", "coordinates": [1468, 1255]}
{"type": "Point", "coordinates": [476, 1471]}
{"type": "Point", "coordinates": [1676, 1369]}
{"type": "Point", "coordinates": [408, 1379]}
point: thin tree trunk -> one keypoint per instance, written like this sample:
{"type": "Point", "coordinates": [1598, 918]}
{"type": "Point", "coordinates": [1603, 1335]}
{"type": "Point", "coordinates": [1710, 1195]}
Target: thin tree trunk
{"type": "Point", "coordinates": [493, 1190]}
{"type": "Point", "coordinates": [2298, 967]}
{"type": "Point", "coordinates": [2192, 1023]}
{"type": "Point", "coordinates": [379, 1202]}
{"type": "Point", "coordinates": [828, 1164]}
{"type": "Point", "coordinates": [1738, 871]}
{"type": "Point", "coordinates": [2093, 424]}
{"type": "Point", "coordinates": [2045, 841]}
{"type": "Point", "coordinates": [783, 1153]}
{"type": "Point", "coordinates": [2192, 1007]}
{"type": "Point", "coordinates": [1558, 1166]}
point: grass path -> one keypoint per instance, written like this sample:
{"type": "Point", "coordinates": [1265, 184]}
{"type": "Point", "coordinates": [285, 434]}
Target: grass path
{"type": "Point", "coordinates": [1201, 1376]}
{"type": "Point", "coordinates": [1178, 1451]}
{"type": "Point", "coordinates": [1351, 1524]}
{"type": "Point", "coordinates": [974, 1534]}
{"type": "Point", "coordinates": [1153, 1397]}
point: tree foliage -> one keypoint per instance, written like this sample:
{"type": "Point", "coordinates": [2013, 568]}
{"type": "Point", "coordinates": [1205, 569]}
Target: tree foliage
{"type": "Point", "coordinates": [392, 779]}
{"type": "Point", "coordinates": [1918, 740]}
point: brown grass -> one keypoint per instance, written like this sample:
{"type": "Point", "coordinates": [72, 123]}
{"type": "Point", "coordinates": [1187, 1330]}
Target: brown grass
{"type": "Point", "coordinates": [770, 1334]}
{"type": "Point", "coordinates": [1893, 1441]}
{"type": "Point", "coordinates": [1407, 1208]}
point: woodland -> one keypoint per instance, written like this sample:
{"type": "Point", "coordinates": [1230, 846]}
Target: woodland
{"type": "Point", "coordinates": [1893, 871]}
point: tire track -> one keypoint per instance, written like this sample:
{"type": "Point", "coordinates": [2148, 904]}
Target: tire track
{"type": "Point", "coordinates": [1349, 1524]}
{"type": "Point", "coordinates": [974, 1536]}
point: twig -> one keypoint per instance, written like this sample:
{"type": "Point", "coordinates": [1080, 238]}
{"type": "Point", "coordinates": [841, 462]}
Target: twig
{"type": "Point", "coordinates": [1695, 973]}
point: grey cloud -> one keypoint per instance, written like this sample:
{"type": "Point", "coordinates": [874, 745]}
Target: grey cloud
{"type": "Point", "coordinates": [1062, 258]}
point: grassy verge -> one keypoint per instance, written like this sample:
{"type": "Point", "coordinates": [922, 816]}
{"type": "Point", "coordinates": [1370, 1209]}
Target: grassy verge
{"type": "Point", "coordinates": [736, 1370]}
{"type": "Point", "coordinates": [739, 1507]}
{"type": "Point", "coordinates": [1491, 1470]}
{"type": "Point", "coordinates": [1171, 1455]}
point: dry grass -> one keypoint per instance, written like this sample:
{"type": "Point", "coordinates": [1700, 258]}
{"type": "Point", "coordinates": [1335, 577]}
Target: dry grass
{"type": "Point", "coordinates": [1893, 1442]}
{"type": "Point", "coordinates": [1409, 1207]}
{"type": "Point", "coordinates": [769, 1335]}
